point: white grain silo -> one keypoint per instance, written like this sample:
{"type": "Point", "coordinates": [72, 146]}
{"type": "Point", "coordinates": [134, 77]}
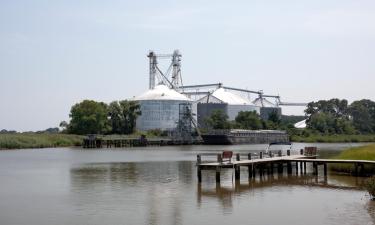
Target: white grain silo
{"type": "Point", "coordinates": [234, 103]}
{"type": "Point", "coordinates": [160, 108]}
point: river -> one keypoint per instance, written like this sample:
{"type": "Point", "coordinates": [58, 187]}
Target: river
{"type": "Point", "coordinates": [158, 185]}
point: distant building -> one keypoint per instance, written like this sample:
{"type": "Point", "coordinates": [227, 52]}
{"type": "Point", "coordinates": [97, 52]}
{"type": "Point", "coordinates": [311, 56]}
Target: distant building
{"type": "Point", "coordinates": [222, 99]}
{"type": "Point", "coordinates": [266, 108]}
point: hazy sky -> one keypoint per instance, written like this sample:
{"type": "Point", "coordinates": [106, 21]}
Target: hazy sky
{"type": "Point", "coordinates": [56, 53]}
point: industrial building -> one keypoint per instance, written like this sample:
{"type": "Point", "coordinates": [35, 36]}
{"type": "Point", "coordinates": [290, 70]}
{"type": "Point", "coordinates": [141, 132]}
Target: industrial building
{"type": "Point", "coordinates": [231, 104]}
{"type": "Point", "coordinates": [160, 108]}
{"type": "Point", "coordinates": [168, 102]}
{"type": "Point", "coordinates": [266, 108]}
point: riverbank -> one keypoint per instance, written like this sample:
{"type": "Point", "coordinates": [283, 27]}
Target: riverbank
{"type": "Point", "coordinates": [33, 140]}
{"type": "Point", "coordinates": [366, 152]}
{"type": "Point", "coordinates": [338, 138]}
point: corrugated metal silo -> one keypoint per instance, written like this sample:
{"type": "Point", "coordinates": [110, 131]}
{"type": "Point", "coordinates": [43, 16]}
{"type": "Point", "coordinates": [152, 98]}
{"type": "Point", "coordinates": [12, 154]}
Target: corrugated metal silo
{"type": "Point", "coordinates": [160, 108]}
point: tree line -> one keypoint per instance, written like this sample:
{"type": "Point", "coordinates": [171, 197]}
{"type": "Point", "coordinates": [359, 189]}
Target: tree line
{"type": "Point", "coordinates": [336, 116]}
{"type": "Point", "coordinates": [91, 117]}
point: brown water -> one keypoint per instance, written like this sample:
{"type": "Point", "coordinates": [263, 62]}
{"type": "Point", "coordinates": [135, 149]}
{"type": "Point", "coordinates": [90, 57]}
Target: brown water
{"type": "Point", "coordinates": [159, 186]}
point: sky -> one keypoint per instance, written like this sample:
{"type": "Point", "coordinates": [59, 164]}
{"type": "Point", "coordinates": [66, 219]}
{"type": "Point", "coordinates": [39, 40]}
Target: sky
{"type": "Point", "coordinates": [54, 54]}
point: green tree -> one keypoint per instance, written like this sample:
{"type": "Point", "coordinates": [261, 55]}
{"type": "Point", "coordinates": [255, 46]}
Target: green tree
{"type": "Point", "coordinates": [115, 117]}
{"type": "Point", "coordinates": [363, 115]}
{"type": "Point", "coordinates": [248, 120]}
{"type": "Point", "coordinates": [88, 117]}
{"type": "Point", "coordinates": [218, 120]}
{"type": "Point", "coordinates": [123, 116]}
{"type": "Point", "coordinates": [130, 111]}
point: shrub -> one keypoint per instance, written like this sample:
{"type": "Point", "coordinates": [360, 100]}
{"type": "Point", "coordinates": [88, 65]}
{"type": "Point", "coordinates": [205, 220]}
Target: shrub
{"type": "Point", "coordinates": [370, 186]}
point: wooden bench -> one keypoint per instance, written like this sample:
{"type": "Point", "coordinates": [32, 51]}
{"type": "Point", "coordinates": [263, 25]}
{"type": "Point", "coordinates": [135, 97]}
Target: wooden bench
{"type": "Point", "coordinates": [227, 156]}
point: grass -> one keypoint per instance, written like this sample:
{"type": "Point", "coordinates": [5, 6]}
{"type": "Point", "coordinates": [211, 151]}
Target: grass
{"type": "Point", "coordinates": [23, 140]}
{"type": "Point", "coordinates": [334, 138]}
{"type": "Point", "coordinates": [366, 152]}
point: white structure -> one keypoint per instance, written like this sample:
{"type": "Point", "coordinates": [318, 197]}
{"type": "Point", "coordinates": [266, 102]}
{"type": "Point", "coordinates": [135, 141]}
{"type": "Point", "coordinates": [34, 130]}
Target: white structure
{"type": "Point", "coordinates": [235, 102]}
{"type": "Point", "coordinates": [263, 102]}
{"type": "Point", "coordinates": [300, 124]}
{"type": "Point", "coordinates": [160, 108]}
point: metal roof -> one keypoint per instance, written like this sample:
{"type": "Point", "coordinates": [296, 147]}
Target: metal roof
{"type": "Point", "coordinates": [161, 92]}
{"type": "Point", "coordinates": [229, 97]}
{"type": "Point", "coordinates": [263, 102]}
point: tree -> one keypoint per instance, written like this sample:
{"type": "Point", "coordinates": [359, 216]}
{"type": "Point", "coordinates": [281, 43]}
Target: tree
{"type": "Point", "coordinates": [248, 120]}
{"type": "Point", "coordinates": [130, 111]}
{"type": "Point", "coordinates": [123, 116]}
{"type": "Point", "coordinates": [218, 120]}
{"type": "Point", "coordinates": [64, 126]}
{"type": "Point", "coordinates": [89, 117]}
{"type": "Point", "coordinates": [115, 117]}
{"type": "Point", "coordinates": [363, 115]}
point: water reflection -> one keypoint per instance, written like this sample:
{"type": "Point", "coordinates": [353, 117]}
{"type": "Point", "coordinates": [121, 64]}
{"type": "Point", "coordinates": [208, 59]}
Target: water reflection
{"type": "Point", "coordinates": [227, 193]}
{"type": "Point", "coordinates": [154, 187]}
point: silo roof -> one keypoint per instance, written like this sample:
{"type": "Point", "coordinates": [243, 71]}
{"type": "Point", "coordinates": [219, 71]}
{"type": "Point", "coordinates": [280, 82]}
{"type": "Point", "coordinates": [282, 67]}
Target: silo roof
{"type": "Point", "coordinates": [162, 92]}
{"type": "Point", "coordinates": [229, 97]}
{"type": "Point", "coordinates": [266, 103]}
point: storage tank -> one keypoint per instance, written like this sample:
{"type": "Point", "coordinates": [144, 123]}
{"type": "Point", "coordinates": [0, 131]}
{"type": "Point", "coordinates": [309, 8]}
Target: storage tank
{"type": "Point", "coordinates": [160, 108]}
{"type": "Point", "coordinates": [235, 103]}
{"type": "Point", "coordinates": [266, 108]}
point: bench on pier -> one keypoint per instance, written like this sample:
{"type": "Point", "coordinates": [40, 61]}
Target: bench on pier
{"type": "Point", "coordinates": [227, 156]}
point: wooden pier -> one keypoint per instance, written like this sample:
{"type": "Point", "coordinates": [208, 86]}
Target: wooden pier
{"type": "Point", "coordinates": [263, 163]}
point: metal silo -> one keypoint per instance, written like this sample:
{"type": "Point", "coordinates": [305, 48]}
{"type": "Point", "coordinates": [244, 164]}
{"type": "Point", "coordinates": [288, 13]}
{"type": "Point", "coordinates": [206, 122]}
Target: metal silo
{"type": "Point", "coordinates": [160, 108]}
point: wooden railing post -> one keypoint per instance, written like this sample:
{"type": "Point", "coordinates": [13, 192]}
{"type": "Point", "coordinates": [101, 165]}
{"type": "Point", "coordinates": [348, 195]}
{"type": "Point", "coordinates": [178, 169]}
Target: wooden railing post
{"type": "Point", "coordinates": [219, 158]}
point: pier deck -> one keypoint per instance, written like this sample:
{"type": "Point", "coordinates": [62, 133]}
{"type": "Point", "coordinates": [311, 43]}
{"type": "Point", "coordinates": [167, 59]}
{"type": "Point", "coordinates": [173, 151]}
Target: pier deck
{"type": "Point", "coordinates": [264, 163]}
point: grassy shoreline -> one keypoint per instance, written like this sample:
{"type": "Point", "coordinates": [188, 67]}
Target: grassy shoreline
{"type": "Point", "coordinates": [366, 152]}
{"type": "Point", "coordinates": [44, 140]}
{"type": "Point", "coordinates": [32, 140]}
{"type": "Point", "coordinates": [338, 138]}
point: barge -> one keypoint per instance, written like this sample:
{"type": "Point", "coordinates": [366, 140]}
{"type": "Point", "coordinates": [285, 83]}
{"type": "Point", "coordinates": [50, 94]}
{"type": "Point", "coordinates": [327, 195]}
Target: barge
{"type": "Point", "coordinates": [239, 136]}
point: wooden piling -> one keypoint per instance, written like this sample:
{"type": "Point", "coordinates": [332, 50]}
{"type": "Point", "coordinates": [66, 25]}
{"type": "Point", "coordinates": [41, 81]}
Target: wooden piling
{"type": "Point", "coordinates": [296, 168]}
{"type": "Point", "coordinates": [217, 174]}
{"type": "Point", "coordinates": [325, 169]}
{"type": "Point", "coordinates": [250, 167]}
{"type": "Point", "coordinates": [237, 172]}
